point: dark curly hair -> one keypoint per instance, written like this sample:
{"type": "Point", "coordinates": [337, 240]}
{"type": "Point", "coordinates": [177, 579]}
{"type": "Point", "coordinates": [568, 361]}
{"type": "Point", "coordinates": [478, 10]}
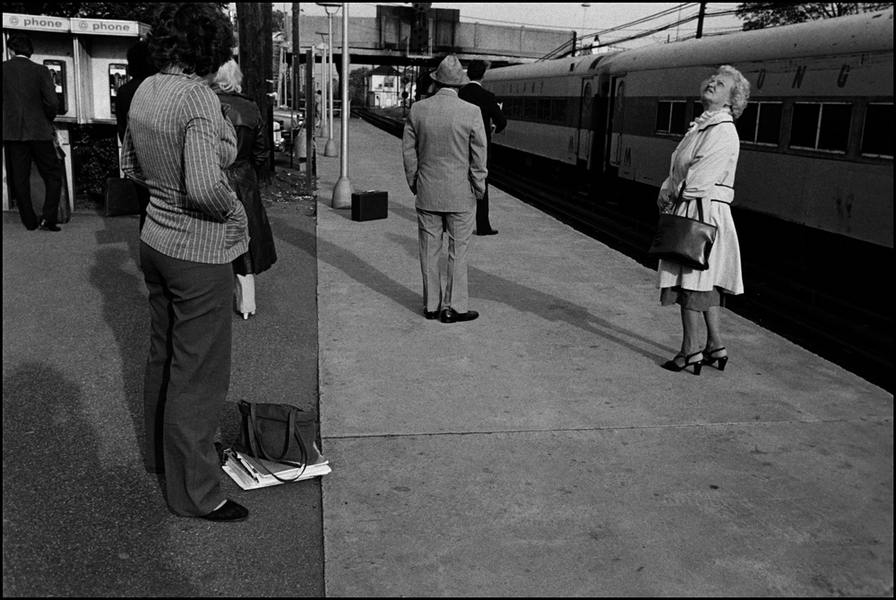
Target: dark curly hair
{"type": "Point", "coordinates": [477, 68]}
{"type": "Point", "coordinates": [197, 37]}
{"type": "Point", "coordinates": [21, 44]}
{"type": "Point", "coordinates": [139, 62]}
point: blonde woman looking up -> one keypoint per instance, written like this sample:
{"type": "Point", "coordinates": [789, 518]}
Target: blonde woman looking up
{"type": "Point", "coordinates": [702, 171]}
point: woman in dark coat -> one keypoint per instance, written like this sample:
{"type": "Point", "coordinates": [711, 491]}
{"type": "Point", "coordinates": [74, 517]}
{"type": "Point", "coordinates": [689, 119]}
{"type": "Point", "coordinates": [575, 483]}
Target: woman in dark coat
{"type": "Point", "coordinates": [252, 156]}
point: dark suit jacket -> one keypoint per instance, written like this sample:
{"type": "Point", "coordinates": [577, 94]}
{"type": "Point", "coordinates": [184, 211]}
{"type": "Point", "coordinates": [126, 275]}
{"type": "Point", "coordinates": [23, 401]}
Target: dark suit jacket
{"type": "Point", "coordinates": [485, 100]}
{"type": "Point", "coordinates": [123, 99]}
{"type": "Point", "coordinates": [29, 101]}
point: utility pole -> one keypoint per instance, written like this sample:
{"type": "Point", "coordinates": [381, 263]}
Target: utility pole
{"type": "Point", "coordinates": [700, 20]}
{"type": "Point", "coordinates": [296, 83]}
{"type": "Point", "coordinates": [256, 62]}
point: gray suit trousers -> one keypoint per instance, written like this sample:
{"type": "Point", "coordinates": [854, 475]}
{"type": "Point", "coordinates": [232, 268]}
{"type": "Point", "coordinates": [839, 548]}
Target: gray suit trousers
{"type": "Point", "coordinates": [430, 228]}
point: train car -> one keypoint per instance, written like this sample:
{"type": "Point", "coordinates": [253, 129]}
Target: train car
{"type": "Point", "coordinates": [816, 138]}
{"type": "Point", "coordinates": [548, 108]}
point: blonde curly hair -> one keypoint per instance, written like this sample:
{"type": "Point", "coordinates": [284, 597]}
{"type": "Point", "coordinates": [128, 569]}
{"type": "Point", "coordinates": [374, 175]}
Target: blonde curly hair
{"type": "Point", "coordinates": [229, 78]}
{"type": "Point", "coordinates": [740, 93]}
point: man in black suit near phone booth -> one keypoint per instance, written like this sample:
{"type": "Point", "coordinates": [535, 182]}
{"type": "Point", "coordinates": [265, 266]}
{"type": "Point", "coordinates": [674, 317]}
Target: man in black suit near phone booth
{"type": "Point", "coordinates": [492, 117]}
{"type": "Point", "coordinates": [29, 107]}
{"type": "Point", "coordinates": [140, 68]}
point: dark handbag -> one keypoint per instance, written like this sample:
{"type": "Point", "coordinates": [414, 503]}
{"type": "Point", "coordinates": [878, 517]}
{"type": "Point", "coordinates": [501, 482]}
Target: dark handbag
{"type": "Point", "coordinates": [683, 240]}
{"type": "Point", "coordinates": [121, 197]}
{"type": "Point", "coordinates": [279, 433]}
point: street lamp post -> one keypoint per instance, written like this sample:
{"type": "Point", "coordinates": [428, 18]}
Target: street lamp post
{"type": "Point", "coordinates": [342, 193]}
{"type": "Point", "coordinates": [331, 8]}
{"type": "Point", "coordinates": [323, 47]}
{"type": "Point", "coordinates": [585, 7]}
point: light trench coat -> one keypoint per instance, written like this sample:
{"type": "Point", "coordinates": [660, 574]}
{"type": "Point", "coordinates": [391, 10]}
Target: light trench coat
{"type": "Point", "coordinates": [705, 162]}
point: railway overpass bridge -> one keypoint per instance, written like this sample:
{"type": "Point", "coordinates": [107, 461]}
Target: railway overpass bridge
{"type": "Point", "coordinates": [389, 39]}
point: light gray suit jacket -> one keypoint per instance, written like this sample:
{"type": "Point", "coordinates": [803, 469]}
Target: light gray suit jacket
{"type": "Point", "coordinates": [445, 151]}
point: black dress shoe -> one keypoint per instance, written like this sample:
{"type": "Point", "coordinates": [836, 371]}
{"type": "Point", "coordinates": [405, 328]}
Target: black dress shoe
{"type": "Point", "coordinates": [449, 315]}
{"type": "Point", "coordinates": [230, 512]}
{"type": "Point", "coordinates": [431, 315]}
{"type": "Point", "coordinates": [47, 226]}
{"type": "Point", "coordinates": [489, 232]}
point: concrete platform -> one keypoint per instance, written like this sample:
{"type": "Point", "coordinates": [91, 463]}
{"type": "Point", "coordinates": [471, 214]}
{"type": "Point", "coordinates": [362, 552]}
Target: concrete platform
{"type": "Point", "coordinates": [81, 518]}
{"type": "Point", "coordinates": [541, 449]}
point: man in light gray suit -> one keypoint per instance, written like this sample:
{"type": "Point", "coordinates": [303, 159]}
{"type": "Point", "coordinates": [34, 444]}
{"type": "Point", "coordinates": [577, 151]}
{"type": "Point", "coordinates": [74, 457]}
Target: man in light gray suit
{"type": "Point", "coordinates": [445, 150]}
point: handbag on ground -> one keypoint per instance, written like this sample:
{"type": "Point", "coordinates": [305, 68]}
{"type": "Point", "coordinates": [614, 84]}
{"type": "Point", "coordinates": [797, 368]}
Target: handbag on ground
{"type": "Point", "coordinates": [280, 433]}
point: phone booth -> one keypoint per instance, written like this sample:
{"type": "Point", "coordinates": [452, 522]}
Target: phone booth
{"type": "Point", "coordinates": [101, 47]}
{"type": "Point", "coordinates": [88, 61]}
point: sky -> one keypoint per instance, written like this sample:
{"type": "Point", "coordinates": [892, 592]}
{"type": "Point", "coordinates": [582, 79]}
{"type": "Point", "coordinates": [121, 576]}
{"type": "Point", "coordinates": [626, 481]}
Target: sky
{"type": "Point", "coordinates": [594, 17]}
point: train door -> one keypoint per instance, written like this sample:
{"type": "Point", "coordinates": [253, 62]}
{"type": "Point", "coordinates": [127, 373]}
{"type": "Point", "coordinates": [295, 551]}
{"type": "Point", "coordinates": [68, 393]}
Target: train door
{"type": "Point", "coordinates": [600, 127]}
{"type": "Point", "coordinates": [614, 157]}
{"type": "Point", "coordinates": [583, 151]}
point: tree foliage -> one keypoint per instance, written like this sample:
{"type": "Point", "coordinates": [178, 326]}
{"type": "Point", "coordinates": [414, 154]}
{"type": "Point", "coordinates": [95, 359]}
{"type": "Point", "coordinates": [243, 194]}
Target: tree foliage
{"type": "Point", "coordinates": [759, 15]}
{"type": "Point", "coordinates": [278, 18]}
{"type": "Point", "coordinates": [357, 86]}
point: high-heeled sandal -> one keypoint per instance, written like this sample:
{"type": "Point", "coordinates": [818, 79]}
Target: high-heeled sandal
{"type": "Point", "coordinates": [671, 365]}
{"type": "Point", "coordinates": [709, 359]}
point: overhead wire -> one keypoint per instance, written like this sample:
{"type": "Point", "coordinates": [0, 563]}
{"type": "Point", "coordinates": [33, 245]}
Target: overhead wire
{"type": "Point", "coordinates": [568, 47]}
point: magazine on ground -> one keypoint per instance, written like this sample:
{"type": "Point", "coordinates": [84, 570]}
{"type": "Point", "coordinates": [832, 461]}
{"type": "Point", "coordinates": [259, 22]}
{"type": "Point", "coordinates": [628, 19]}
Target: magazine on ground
{"type": "Point", "coordinates": [249, 474]}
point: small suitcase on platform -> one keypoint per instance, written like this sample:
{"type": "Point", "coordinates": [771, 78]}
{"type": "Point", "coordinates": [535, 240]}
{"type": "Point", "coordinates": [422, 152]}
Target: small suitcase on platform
{"type": "Point", "coordinates": [121, 197]}
{"type": "Point", "coordinates": [370, 205]}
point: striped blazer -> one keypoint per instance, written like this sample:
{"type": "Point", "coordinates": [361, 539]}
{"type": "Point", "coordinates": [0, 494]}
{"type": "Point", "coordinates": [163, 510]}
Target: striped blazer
{"type": "Point", "coordinates": [178, 144]}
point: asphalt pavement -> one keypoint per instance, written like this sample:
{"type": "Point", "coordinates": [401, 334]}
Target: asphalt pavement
{"type": "Point", "coordinates": [81, 518]}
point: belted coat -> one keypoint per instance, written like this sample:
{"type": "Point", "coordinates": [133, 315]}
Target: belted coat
{"type": "Point", "coordinates": [705, 162]}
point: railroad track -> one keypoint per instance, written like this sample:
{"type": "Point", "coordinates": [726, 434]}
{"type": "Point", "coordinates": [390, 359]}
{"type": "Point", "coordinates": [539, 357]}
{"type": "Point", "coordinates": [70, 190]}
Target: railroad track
{"type": "Point", "coordinates": [842, 332]}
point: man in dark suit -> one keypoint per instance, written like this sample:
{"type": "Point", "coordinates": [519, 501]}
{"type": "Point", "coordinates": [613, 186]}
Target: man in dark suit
{"type": "Point", "coordinates": [139, 68]}
{"type": "Point", "coordinates": [29, 107]}
{"type": "Point", "coordinates": [492, 116]}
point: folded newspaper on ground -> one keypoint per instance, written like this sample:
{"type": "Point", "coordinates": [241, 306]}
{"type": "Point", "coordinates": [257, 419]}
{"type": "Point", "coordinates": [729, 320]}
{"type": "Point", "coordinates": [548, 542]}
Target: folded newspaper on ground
{"type": "Point", "coordinates": [249, 474]}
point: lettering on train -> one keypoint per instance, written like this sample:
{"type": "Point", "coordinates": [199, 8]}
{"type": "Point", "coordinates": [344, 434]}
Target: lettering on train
{"type": "Point", "coordinates": [798, 77]}
{"type": "Point", "coordinates": [844, 75]}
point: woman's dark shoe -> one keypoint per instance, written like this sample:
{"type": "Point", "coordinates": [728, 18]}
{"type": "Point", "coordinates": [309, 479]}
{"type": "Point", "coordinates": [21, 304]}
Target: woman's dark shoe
{"type": "Point", "coordinates": [671, 365]}
{"type": "Point", "coordinates": [229, 512]}
{"type": "Point", "coordinates": [710, 359]}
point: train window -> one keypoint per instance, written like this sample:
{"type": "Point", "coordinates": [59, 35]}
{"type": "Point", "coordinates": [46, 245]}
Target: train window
{"type": "Point", "coordinates": [506, 106]}
{"type": "Point", "coordinates": [746, 123]}
{"type": "Point", "coordinates": [670, 116]}
{"type": "Point", "coordinates": [558, 110]}
{"type": "Point", "coordinates": [760, 123]}
{"type": "Point", "coordinates": [834, 131]}
{"type": "Point", "coordinates": [877, 135]}
{"type": "Point", "coordinates": [663, 112]}
{"type": "Point", "coordinates": [678, 121]}
{"type": "Point", "coordinates": [531, 111]}
{"type": "Point", "coordinates": [768, 130]}
{"type": "Point", "coordinates": [820, 126]}
{"type": "Point", "coordinates": [698, 110]}
{"type": "Point", "coordinates": [544, 109]}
